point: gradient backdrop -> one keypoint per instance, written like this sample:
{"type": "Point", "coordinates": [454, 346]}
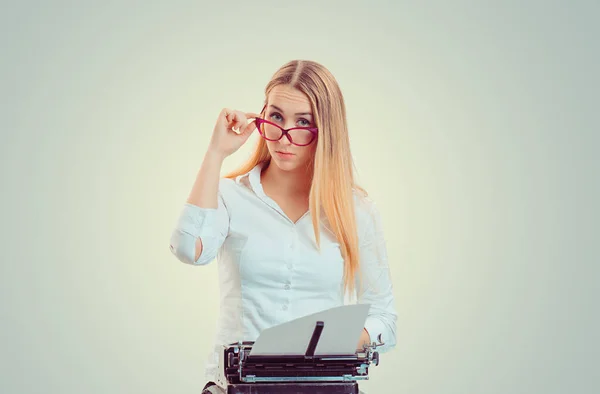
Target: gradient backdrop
{"type": "Point", "coordinates": [473, 125]}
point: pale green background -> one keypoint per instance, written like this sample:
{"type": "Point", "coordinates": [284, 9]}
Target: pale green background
{"type": "Point", "coordinates": [474, 125]}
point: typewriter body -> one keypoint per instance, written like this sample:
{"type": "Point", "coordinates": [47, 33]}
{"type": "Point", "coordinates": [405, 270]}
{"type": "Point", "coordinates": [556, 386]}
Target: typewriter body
{"type": "Point", "coordinates": [242, 372]}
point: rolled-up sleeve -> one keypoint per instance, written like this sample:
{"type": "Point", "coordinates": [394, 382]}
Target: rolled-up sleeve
{"type": "Point", "coordinates": [211, 225]}
{"type": "Point", "coordinates": [375, 283]}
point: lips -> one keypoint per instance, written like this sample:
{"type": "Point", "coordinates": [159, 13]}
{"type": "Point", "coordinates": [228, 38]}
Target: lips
{"type": "Point", "coordinates": [285, 153]}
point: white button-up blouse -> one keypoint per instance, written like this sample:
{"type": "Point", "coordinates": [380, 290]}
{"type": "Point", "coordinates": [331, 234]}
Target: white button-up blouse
{"type": "Point", "coordinates": [270, 270]}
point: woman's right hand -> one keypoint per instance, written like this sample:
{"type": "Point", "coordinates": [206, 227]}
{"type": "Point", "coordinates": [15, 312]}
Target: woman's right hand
{"type": "Point", "coordinates": [231, 131]}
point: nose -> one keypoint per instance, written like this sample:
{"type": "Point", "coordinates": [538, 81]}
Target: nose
{"type": "Point", "coordinates": [285, 140]}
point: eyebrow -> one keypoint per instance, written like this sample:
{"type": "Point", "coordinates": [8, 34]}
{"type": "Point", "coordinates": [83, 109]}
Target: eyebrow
{"type": "Point", "coordinates": [297, 113]}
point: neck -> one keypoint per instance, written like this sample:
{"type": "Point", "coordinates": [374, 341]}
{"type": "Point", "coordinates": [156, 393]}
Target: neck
{"type": "Point", "coordinates": [296, 182]}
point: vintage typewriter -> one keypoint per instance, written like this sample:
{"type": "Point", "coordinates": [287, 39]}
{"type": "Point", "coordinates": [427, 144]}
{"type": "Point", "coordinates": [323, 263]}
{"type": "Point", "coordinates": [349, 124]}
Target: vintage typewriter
{"type": "Point", "coordinates": [242, 372]}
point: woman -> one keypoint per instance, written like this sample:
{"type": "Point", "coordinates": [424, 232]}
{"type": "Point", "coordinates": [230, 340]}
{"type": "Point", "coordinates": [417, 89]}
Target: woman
{"type": "Point", "coordinates": [292, 232]}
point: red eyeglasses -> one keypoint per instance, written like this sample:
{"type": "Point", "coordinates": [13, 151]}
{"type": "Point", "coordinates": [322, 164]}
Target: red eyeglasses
{"type": "Point", "coordinates": [300, 136]}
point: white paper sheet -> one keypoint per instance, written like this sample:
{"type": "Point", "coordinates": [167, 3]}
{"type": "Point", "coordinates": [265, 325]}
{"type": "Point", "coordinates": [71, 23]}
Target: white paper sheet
{"type": "Point", "coordinates": [343, 326]}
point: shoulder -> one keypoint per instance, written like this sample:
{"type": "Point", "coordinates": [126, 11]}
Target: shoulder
{"type": "Point", "coordinates": [232, 189]}
{"type": "Point", "coordinates": [227, 186]}
{"type": "Point", "coordinates": [226, 183]}
{"type": "Point", "coordinates": [226, 190]}
{"type": "Point", "coordinates": [366, 211]}
{"type": "Point", "coordinates": [364, 204]}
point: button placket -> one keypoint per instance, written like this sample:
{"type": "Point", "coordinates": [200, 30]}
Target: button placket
{"type": "Point", "coordinates": [290, 258]}
{"type": "Point", "coordinates": [290, 248]}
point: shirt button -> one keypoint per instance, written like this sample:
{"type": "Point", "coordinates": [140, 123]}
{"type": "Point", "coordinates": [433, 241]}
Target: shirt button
{"type": "Point", "coordinates": [287, 287]}
{"type": "Point", "coordinates": [289, 266]}
{"type": "Point", "coordinates": [284, 307]}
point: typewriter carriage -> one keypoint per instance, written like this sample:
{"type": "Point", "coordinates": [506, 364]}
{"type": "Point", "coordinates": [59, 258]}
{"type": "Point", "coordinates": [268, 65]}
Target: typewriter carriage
{"type": "Point", "coordinates": [238, 367]}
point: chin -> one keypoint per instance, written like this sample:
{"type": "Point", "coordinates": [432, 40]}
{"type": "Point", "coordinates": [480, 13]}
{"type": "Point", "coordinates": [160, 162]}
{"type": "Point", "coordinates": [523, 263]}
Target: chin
{"type": "Point", "coordinates": [285, 164]}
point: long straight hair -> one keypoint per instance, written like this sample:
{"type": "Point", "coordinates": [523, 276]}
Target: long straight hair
{"type": "Point", "coordinates": [333, 182]}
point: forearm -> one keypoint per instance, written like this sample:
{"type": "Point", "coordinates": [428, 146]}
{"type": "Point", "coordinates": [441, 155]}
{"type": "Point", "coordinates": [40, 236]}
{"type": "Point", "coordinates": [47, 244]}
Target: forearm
{"type": "Point", "coordinates": [205, 189]}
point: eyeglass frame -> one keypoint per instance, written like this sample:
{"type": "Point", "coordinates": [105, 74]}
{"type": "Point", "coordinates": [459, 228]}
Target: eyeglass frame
{"type": "Point", "coordinates": [313, 130]}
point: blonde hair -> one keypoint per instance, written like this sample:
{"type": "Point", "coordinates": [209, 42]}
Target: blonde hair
{"type": "Point", "coordinates": [333, 182]}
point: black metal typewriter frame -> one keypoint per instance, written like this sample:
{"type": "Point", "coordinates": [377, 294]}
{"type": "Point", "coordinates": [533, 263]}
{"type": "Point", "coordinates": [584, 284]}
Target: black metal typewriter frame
{"type": "Point", "coordinates": [314, 373]}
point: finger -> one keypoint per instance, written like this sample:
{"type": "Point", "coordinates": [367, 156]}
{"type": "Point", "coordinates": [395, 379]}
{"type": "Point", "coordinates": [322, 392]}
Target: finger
{"type": "Point", "coordinates": [249, 128]}
{"type": "Point", "coordinates": [241, 120]}
{"type": "Point", "coordinates": [234, 121]}
{"type": "Point", "coordinates": [232, 118]}
{"type": "Point", "coordinates": [252, 115]}
{"type": "Point", "coordinates": [228, 113]}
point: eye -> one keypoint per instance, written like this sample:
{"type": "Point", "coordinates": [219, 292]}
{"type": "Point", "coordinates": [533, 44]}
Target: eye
{"type": "Point", "coordinates": [304, 120]}
{"type": "Point", "coordinates": [277, 117]}
{"type": "Point", "coordinates": [275, 114]}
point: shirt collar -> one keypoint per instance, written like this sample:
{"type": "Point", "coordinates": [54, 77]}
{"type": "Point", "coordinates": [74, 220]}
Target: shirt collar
{"type": "Point", "coordinates": [255, 184]}
{"type": "Point", "coordinates": [254, 178]}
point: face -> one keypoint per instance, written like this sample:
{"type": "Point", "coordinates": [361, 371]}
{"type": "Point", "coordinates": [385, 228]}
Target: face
{"type": "Point", "coordinates": [289, 107]}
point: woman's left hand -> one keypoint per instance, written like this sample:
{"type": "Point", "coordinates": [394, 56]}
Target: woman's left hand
{"type": "Point", "coordinates": [365, 339]}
